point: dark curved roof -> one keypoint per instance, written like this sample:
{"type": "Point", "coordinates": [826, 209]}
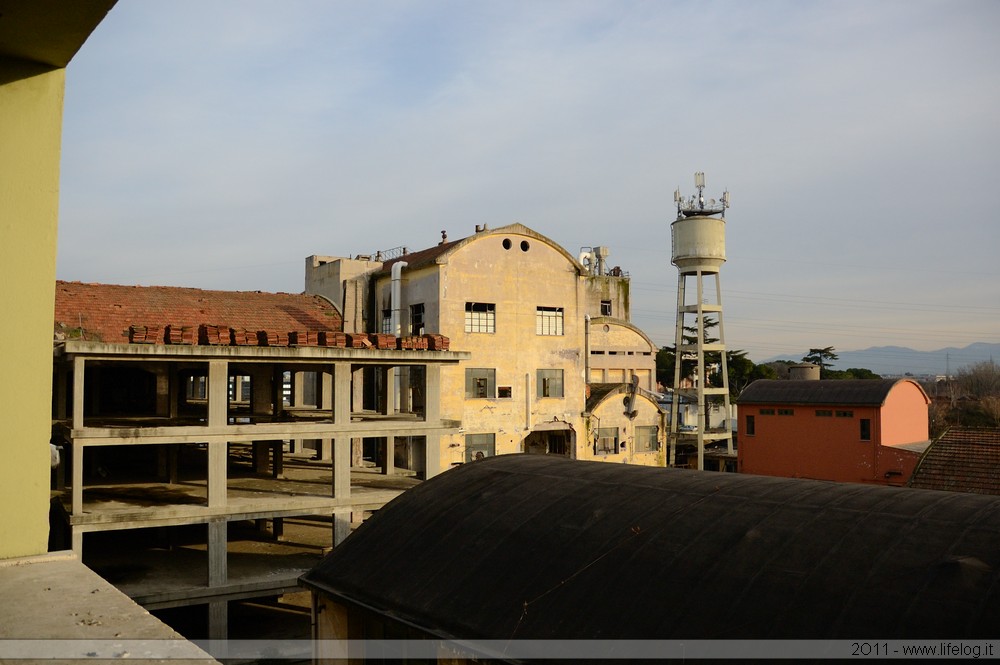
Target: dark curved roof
{"type": "Point", "coordinates": [540, 547]}
{"type": "Point", "coordinates": [852, 392]}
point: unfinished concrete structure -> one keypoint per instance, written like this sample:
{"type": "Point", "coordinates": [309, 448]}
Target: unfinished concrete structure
{"type": "Point", "coordinates": [199, 395]}
{"type": "Point", "coordinates": [538, 323]}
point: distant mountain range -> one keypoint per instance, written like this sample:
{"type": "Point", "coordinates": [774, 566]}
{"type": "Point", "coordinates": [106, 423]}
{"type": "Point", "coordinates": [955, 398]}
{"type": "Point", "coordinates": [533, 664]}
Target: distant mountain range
{"type": "Point", "coordinates": [899, 360]}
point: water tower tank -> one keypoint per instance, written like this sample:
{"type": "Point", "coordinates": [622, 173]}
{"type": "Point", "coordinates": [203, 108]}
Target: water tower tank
{"type": "Point", "coordinates": [698, 243]}
{"type": "Point", "coordinates": [804, 372]}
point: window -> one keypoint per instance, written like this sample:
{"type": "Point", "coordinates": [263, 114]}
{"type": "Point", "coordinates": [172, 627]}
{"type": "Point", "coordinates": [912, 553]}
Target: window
{"type": "Point", "coordinates": [550, 383]}
{"type": "Point", "coordinates": [417, 319]}
{"type": "Point", "coordinates": [750, 426]}
{"type": "Point", "coordinates": [866, 429]}
{"type": "Point", "coordinates": [786, 412]}
{"type": "Point", "coordinates": [480, 317]}
{"type": "Point", "coordinates": [824, 413]}
{"type": "Point", "coordinates": [479, 446]}
{"type": "Point", "coordinates": [845, 414]}
{"type": "Point", "coordinates": [767, 412]}
{"type": "Point", "coordinates": [505, 392]}
{"type": "Point", "coordinates": [605, 308]}
{"type": "Point", "coordinates": [549, 321]}
{"type": "Point", "coordinates": [387, 321]}
{"type": "Point", "coordinates": [607, 441]}
{"type": "Point", "coordinates": [645, 439]}
{"type": "Point", "coordinates": [480, 382]}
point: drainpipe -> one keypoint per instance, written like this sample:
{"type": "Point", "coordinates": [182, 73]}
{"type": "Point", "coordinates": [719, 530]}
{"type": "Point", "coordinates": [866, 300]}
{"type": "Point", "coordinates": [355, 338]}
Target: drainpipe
{"type": "Point", "coordinates": [396, 295]}
{"type": "Point", "coordinates": [586, 349]}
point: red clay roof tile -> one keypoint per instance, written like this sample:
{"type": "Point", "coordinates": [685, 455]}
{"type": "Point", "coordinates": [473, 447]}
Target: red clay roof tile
{"type": "Point", "coordinates": [104, 312]}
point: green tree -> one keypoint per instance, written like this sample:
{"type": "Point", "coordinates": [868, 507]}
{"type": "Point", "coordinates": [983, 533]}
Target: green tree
{"type": "Point", "coordinates": [743, 372]}
{"type": "Point", "coordinates": [820, 357]}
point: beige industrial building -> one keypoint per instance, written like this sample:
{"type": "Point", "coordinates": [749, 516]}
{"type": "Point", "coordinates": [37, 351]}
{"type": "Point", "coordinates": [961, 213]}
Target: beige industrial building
{"type": "Point", "coordinates": [539, 325]}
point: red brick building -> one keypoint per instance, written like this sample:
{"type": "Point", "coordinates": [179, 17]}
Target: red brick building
{"type": "Point", "coordinates": [865, 431]}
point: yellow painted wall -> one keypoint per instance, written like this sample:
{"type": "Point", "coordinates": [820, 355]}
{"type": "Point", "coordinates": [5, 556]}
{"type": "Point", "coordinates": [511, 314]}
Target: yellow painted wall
{"type": "Point", "coordinates": [31, 101]}
{"type": "Point", "coordinates": [611, 413]}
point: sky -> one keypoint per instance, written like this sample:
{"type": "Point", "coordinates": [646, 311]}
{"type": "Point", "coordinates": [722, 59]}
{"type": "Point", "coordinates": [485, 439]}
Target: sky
{"type": "Point", "coordinates": [217, 143]}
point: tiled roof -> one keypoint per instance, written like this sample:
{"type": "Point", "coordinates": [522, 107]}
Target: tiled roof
{"type": "Point", "coordinates": [857, 392]}
{"type": "Point", "coordinates": [105, 311]}
{"type": "Point", "coordinates": [962, 460]}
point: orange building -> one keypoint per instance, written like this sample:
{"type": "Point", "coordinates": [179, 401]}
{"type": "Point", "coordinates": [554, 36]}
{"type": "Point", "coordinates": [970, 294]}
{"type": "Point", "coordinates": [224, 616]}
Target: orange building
{"type": "Point", "coordinates": [865, 431]}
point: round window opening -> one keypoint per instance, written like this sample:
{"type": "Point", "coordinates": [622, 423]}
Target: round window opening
{"type": "Point", "coordinates": [524, 245]}
{"type": "Point", "coordinates": [507, 243]}
{"type": "Point", "coordinates": [607, 328]}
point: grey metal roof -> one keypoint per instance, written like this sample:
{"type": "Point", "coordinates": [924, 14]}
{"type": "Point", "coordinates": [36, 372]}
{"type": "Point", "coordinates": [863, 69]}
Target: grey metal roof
{"type": "Point", "coordinates": [857, 392]}
{"type": "Point", "coordinates": [540, 547]}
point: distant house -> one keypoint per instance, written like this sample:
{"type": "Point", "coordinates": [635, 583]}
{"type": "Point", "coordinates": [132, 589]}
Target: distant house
{"type": "Point", "coordinates": [962, 460]}
{"type": "Point", "coordinates": [521, 549]}
{"type": "Point", "coordinates": [862, 431]}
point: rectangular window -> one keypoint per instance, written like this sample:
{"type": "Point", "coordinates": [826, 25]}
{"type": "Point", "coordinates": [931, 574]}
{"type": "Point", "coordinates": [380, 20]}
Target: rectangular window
{"type": "Point", "coordinates": [504, 392]}
{"type": "Point", "coordinates": [605, 308]}
{"type": "Point", "coordinates": [824, 413]}
{"type": "Point", "coordinates": [607, 441]}
{"type": "Point", "coordinates": [751, 426]}
{"type": "Point", "coordinates": [480, 317]}
{"type": "Point", "coordinates": [549, 321]}
{"type": "Point", "coordinates": [480, 382]}
{"type": "Point", "coordinates": [550, 382]}
{"type": "Point", "coordinates": [645, 439]}
{"type": "Point", "coordinates": [866, 429]}
{"type": "Point", "coordinates": [387, 322]}
{"type": "Point", "coordinates": [417, 319]}
{"type": "Point", "coordinates": [479, 446]}
{"type": "Point", "coordinates": [845, 414]}
{"type": "Point", "coordinates": [767, 412]}
{"type": "Point", "coordinates": [786, 412]}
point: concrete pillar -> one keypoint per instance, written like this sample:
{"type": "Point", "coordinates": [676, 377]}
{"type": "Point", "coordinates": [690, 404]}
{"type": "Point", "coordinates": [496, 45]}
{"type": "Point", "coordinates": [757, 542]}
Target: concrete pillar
{"type": "Point", "coordinates": [387, 390]}
{"type": "Point", "coordinates": [342, 468]}
{"type": "Point", "coordinates": [389, 456]}
{"type": "Point", "coordinates": [166, 462]}
{"type": "Point", "coordinates": [218, 573]}
{"type": "Point", "coordinates": [218, 393]}
{"type": "Point", "coordinates": [162, 374]}
{"type": "Point", "coordinates": [432, 455]}
{"type": "Point", "coordinates": [218, 620]}
{"type": "Point", "coordinates": [76, 504]}
{"type": "Point", "coordinates": [341, 525]}
{"type": "Point", "coordinates": [261, 390]}
{"type": "Point", "coordinates": [341, 393]}
{"type": "Point", "coordinates": [432, 393]}
{"type": "Point", "coordinates": [78, 397]}
{"type": "Point", "coordinates": [217, 477]}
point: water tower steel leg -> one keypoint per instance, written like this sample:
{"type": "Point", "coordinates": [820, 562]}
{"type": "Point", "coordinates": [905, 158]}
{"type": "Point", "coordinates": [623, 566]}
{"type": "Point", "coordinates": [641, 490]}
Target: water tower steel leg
{"type": "Point", "coordinates": [678, 355]}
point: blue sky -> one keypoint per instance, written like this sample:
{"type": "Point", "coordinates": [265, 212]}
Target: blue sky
{"type": "Point", "coordinates": [217, 143]}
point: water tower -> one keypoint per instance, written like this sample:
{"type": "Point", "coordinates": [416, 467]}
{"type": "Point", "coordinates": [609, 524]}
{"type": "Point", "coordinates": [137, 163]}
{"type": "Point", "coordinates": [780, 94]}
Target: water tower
{"type": "Point", "coordinates": [698, 239]}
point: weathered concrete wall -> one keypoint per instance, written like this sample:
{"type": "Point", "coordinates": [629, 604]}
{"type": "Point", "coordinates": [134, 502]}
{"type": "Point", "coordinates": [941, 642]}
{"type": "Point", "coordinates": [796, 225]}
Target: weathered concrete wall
{"type": "Point", "coordinates": [611, 413]}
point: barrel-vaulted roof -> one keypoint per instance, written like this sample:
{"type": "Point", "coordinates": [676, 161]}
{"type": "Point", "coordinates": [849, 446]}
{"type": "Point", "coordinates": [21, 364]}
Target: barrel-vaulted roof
{"type": "Point", "coordinates": [105, 312]}
{"type": "Point", "coordinates": [439, 253]}
{"type": "Point", "coordinates": [857, 392]}
{"type": "Point", "coordinates": [540, 547]}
